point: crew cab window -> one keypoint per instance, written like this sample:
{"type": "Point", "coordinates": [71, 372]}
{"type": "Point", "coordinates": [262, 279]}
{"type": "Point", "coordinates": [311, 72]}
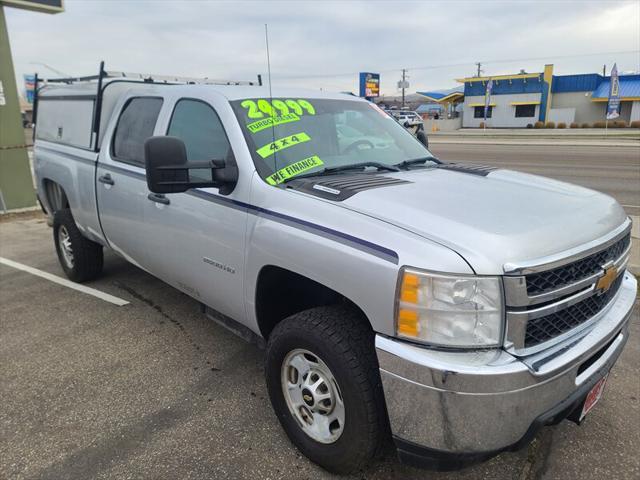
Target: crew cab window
{"type": "Point", "coordinates": [135, 125]}
{"type": "Point", "coordinates": [200, 128]}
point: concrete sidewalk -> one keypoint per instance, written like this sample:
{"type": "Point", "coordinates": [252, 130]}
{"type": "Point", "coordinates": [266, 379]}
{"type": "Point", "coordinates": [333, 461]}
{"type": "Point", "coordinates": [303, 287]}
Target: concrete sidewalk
{"type": "Point", "coordinates": [569, 137]}
{"type": "Point", "coordinates": [547, 132]}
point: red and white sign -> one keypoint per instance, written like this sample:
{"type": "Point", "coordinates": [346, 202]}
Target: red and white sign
{"type": "Point", "coordinates": [593, 396]}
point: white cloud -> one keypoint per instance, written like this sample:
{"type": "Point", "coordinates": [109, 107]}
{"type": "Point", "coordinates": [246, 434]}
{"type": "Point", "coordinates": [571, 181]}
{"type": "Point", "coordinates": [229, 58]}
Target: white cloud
{"type": "Point", "coordinates": [324, 38]}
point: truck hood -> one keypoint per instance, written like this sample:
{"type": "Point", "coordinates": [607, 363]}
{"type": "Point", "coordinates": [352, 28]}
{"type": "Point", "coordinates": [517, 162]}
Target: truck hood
{"type": "Point", "coordinates": [493, 219]}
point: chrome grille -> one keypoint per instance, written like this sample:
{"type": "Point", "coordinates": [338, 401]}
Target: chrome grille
{"type": "Point", "coordinates": [543, 282]}
{"type": "Point", "coordinates": [545, 328]}
{"type": "Point", "coordinates": [550, 297]}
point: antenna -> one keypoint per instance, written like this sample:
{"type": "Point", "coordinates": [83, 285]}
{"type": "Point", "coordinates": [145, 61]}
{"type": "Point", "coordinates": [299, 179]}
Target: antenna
{"type": "Point", "coordinates": [273, 126]}
{"type": "Point", "coordinates": [266, 36]}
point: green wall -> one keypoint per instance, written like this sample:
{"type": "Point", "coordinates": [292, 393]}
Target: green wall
{"type": "Point", "coordinates": [16, 184]}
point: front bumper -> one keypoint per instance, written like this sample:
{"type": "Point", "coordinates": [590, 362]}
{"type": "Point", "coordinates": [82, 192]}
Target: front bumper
{"type": "Point", "coordinates": [475, 404]}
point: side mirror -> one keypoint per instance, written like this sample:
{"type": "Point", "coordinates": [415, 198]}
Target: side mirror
{"type": "Point", "coordinates": [422, 137]}
{"type": "Point", "coordinates": [168, 170]}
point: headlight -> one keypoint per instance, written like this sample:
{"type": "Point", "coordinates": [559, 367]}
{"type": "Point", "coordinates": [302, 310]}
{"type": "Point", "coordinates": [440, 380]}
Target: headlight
{"type": "Point", "coordinates": [449, 311]}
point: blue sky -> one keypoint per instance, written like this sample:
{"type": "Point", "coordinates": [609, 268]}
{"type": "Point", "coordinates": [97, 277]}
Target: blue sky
{"type": "Point", "coordinates": [323, 44]}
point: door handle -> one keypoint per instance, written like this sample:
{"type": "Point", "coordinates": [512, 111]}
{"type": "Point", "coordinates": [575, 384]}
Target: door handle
{"type": "Point", "coordinates": [158, 198]}
{"type": "Point", "coordinates": [106, 179]}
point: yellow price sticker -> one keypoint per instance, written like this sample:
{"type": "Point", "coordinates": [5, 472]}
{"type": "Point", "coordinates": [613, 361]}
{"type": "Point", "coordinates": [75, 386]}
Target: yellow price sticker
{"type": "Point", "coordinates": [282, 143]}
{"type": "Point", "coordinates": [271, 122]}
{"type": "Point", "coordinates": [294, 169]}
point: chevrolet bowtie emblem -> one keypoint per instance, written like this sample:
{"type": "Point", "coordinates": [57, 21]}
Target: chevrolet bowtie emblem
{"type": "Point", "coordinates": [605, 281]}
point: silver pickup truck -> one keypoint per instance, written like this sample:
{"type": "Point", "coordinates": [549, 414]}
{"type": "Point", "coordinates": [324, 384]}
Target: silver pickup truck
{"type": "Point", "coordinates": [453, 308]}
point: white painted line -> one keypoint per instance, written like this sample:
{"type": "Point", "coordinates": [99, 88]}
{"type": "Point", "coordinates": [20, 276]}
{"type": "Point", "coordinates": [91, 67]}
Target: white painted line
{"type": "Point", "coordinates": [631, 206]}
{"type": "Point", "coordinates": [64, 282]}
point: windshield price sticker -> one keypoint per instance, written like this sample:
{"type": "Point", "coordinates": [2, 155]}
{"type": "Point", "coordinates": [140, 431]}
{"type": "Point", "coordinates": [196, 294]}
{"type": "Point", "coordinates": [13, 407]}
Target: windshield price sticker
{"type": "Point", "coordinates": [294, 169]}
{"type": "Point", "coordinates": [282, 143]}
{"type": "Point", "coordinates": [273, 108]}
{"type": "Point", "coordinates": [271, 122]}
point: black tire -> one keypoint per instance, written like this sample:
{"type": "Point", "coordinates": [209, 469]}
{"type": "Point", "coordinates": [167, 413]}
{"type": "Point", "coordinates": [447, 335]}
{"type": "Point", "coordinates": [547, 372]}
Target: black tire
{"type": "Point", "coordinates": [341, 338]}
{"type": "Point", "coordinates": [87, 255]}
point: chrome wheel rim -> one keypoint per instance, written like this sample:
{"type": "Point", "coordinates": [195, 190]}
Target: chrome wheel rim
{"type": "Point", "coordinates": [313, 396]}
{"type": "Point", "coordinates": [65, 246]}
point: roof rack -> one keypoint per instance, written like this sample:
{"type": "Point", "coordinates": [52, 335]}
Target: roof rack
{"type": "Point", "coordinates": [149, 78]}
{"type": "Point", "coordinates": [126, 77]}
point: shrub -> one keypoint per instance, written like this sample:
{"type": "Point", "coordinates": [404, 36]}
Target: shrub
{"type": "Point", "coordinates": [635, 124]}
{"type": "Point", "coordinates": [550, 125]}
{"type": "Point", "coordinates": [562, 125]}
{"type": "Point", "coordinates": [573, 125]}
{"type": "Point", "coordinates": [481, 124]}
{"type": "Point", "coordinates": [538, 125]}
{"type": "Point", "coordinates": [529, 125]}
{"type": "Point", "coordinates": [619, 124]}
{"type": "Point", "coordinates": [585, 125]}
{"type": "Point", "coordinates": [599, 124]}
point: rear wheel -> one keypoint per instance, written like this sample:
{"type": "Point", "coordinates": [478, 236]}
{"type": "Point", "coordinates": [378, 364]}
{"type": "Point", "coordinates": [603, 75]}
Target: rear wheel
{"type": "Point", "coordinates": [80, 258]}
{"type": "Point", "coordinates": [323, 380]}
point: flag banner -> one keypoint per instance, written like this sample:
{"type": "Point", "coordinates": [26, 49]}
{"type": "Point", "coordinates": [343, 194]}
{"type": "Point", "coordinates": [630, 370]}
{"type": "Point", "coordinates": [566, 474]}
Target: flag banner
{"type": "Point", "coordinates": [487, 98]}
{"type": "Point", "coordinates": [613, 105]}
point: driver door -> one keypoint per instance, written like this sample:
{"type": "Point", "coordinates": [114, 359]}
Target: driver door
{"type": "Point", "coordinates": [199, 235]}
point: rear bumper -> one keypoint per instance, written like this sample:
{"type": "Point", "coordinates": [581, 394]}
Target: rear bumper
{"type": "Point", "coordinates": [471, 405]}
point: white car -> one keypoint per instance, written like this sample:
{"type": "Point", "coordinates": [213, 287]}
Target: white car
{"type": "Point", "coordinates": [407, 118]}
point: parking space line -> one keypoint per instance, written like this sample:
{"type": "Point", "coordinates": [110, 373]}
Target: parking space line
{"type": "Point", "coordinates": [64, 282]}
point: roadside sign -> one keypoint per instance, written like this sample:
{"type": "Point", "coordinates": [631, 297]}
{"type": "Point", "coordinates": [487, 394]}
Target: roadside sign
{"type": "Point", "coordinates": [369, 84]}
{"type": "Point", "coordinates": [613, 105]}
{"type": "Point", "coordinates": [30, 87]}
{"type": "Point", "coordinates": [44, 6]}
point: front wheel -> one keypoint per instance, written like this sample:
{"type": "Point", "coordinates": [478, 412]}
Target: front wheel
{"type": "Point", "coordinates": [323, 380]}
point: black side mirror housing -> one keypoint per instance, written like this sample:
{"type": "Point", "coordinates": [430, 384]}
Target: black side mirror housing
{"type": "Point", "coordinates": [168, 170]}
{"type": "Point", "coordinates": [422, 137]}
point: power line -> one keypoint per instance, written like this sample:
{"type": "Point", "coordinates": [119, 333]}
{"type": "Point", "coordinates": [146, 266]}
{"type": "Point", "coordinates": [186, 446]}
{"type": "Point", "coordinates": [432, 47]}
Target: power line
{"type": "Point", "coordinates": [462, 64]}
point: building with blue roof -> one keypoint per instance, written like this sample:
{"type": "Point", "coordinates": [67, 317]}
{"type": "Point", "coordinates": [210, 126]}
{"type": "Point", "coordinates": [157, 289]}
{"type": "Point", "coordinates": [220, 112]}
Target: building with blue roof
{"type": "Point", "coordinates": [525, 98]}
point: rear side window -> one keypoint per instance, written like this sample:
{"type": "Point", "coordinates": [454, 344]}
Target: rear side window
{"type": "Point", "coordinates": [200, 128]}
{"type": "Point", "coordinates": [135, 125]}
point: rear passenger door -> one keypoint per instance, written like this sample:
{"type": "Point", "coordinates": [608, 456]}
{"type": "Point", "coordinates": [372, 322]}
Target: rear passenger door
{"type": "Point", "coordinates": [121, 182]}
{"type": "Point", "coordinates": [197, 238]}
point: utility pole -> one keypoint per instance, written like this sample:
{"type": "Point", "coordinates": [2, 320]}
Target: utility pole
{"type": "Point", "coordinates": [403, 85]}
{"type": "Point", "coordinates": [604, 70]}
{"type": "Point", "coordinates": [479, 69]}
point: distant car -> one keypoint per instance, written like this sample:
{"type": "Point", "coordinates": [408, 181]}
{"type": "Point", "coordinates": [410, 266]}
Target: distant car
{"type": "Point", "coordinates": [407, 118]}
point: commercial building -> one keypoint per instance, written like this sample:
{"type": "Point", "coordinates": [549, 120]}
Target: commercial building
{"type": "Point", "coordinates": [526, 98]}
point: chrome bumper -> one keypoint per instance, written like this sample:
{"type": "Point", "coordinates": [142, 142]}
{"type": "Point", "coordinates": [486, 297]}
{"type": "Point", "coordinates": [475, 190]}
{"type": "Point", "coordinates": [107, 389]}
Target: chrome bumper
{"type": "Point", "coordinates": [487, 401]}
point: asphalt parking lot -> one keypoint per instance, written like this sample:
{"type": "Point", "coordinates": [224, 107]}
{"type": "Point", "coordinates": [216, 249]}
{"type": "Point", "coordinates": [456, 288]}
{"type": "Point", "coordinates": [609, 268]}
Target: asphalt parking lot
{"type": "Point", "coordinates": [153, 389]}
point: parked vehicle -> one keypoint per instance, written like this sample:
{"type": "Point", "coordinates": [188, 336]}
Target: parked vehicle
{"type": "Point", "coordinates": [458, 307]}
{"type": "Point", "coordinates": [407, 118]}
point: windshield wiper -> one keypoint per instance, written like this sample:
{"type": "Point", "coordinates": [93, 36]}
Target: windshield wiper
{"type": "Point", "coordinates": [342, 168]}
{"type": "Point", "coordinates": [416, 161]}
{"type": "Point", "coordinates": [362, 166]}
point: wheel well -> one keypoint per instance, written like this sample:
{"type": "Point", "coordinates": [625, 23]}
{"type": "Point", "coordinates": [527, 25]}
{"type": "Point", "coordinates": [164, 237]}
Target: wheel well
{"type": "Point", "coordinates": [55, 195]}
{"type": "Point", "coordinates": [280, 293]}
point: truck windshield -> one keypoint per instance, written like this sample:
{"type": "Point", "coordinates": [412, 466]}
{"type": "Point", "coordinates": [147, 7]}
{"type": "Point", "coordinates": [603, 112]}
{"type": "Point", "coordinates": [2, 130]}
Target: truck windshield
{"type": "Point", "coordinates": [288, 137]}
